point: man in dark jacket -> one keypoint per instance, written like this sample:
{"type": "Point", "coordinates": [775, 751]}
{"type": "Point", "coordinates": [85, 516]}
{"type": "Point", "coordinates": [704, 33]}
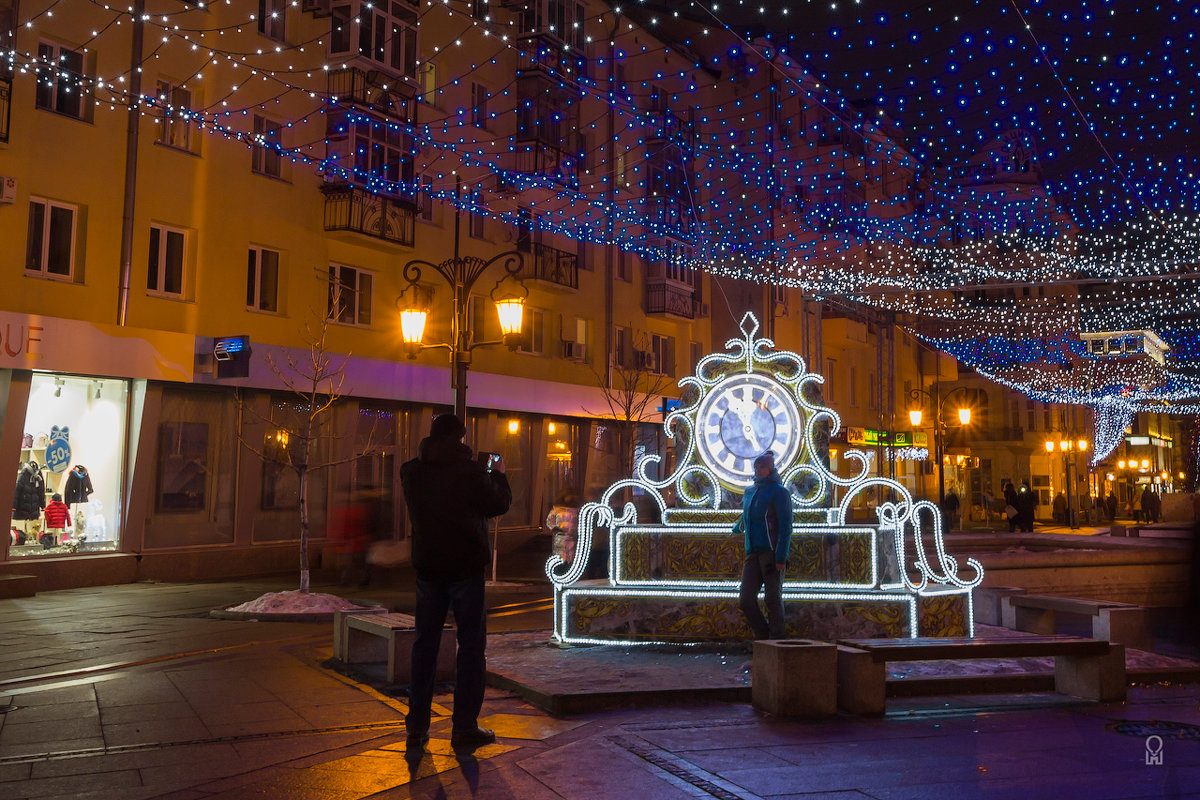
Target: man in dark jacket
{"type": "Point", "coordinates": [767, 523]}
{"type": "Point", "coordinates": [450, 497]}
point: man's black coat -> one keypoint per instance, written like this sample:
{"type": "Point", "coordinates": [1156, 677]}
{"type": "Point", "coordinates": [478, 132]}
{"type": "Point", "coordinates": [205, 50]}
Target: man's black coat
{"type": "Point", "coordinates": [450, 497]}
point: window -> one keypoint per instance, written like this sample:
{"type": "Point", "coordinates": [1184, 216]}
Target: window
{"type": "Point", "coordinates": [482, 320]}
{"type": "Point", "coordinates": [829, 393]}
{"type": "Point", "coordinates": [480, 9]}
{"type": "Point", "coordinates": [164, 274]}
{"type": "Point", "coordinates": [183, 452]}
{"type": "Point", "coordinates": [581, 256]}
{"type": "Point", "coordinates": [533, 332]}
{"type": "Point", "coordinates": [872, 391]}
{"type": "Point", "coordinates": [266, 157]}
{"type": "Point", "coordinates": [386, 33]}
{"type": "Point", "coordinates": [272, 15]}
{"type": "Point", "coordinates": [60, 81]}
{"type": "Point", "coordinates": [479, 105]}
{"type": "Point", "coordinates": [676, 267]}
{"type": "Point", "coordinates": [622, 337]}
{"type": "Point", "coordinates": [852, 386]}
{"type": "Point", "coordinates": [350, 295]}
{"type": "Point", "coordinates": [695, 353]}
{"type": "Point", "coordinates": [621, 173]}
{"type": "Point", "coordinates": [428, 82]}
{"type": "Point", "coordinates": [262, 279]}
{"type": "Point", "coordinates": [1047, 417]}
{"type": "Point", "coordinates": [175, 129]}
{"type": "Point", "coordinates": [1031, 415]}
{"type": "Point", "coordinates": [663, 348]}
{"type": "Point", "coordinates": [624, 266]}
{"type": "Point", "coordinates": [425, 206]}
{"type": "Point", "coordinates": [476, 216]}
{"type": "Point", "coordinates": [382, 157]}
{"type": "Point", "coordinates": [50, 249]}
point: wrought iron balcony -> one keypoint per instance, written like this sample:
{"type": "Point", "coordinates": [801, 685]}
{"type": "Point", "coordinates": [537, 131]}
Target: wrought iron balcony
{"type": "Point", "coordinates": [668, 298]}
{"type": "Point", "coordinates": [352, 208]}
{"type": "Point", "coordinates": [545, 55]}
{"type": "Point", "coordinates": [552, 265]}
{"type": "Point", "coordinates": [542, 158]}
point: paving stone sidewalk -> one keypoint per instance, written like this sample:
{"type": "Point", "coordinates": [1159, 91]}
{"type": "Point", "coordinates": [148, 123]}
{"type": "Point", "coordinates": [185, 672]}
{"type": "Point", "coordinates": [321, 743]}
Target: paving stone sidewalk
{"type": "Point", "coordinates": [142, 697]}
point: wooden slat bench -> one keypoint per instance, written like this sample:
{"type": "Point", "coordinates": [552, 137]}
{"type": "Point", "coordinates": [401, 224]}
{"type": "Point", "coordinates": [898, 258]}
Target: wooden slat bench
{"type": "Point", "coordinates": [363, 637]}
{"type": "Point", "coordinates": [1089, 668]}
{"type": "Point", "coordinates": [1120, 623]}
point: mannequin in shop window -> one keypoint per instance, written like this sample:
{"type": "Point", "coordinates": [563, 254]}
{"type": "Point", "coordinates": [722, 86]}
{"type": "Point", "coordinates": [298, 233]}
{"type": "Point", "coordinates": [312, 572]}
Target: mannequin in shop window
{"type": "Point", "coordinates": [76, 490]}
{"type": "Point", "coordinates": [29, 498]}
{"type": "Point", "coordinates": [58, 521]}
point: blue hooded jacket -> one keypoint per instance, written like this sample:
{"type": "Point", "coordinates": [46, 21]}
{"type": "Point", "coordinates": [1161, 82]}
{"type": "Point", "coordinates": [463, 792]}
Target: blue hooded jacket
{"type": "Point", "coordinates": [767, 517]}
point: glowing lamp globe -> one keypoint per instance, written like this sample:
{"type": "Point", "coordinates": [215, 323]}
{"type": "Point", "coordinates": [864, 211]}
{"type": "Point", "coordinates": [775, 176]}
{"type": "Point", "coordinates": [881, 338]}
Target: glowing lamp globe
{"type": "Point", "coordinates": [914, 417]}
{"type": "Point", "coordinates": [964, 416]}
{"type": "Point", "coordinates": [412, 325]}
{"type": "Point", "coordinates": [1049, 447]}
{"type": "Point", "coordinates": [1083, 445]}
{"type": "Point", "coordinates": [511, 310]}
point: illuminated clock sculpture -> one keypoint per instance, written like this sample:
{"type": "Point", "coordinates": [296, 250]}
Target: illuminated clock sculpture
{"type": "Point", "coordinates": [741, 418]}
{"type": "Point", "coordinates": [673, 570]}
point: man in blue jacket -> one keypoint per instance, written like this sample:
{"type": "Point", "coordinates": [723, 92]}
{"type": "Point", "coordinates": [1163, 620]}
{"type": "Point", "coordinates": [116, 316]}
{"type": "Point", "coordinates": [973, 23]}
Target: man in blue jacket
{"type": "Point", "coordinates": [767, 523]}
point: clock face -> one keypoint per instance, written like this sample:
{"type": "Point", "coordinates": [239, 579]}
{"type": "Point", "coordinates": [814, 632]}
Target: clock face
{"type": "Point", "coordinates": [741, 418]}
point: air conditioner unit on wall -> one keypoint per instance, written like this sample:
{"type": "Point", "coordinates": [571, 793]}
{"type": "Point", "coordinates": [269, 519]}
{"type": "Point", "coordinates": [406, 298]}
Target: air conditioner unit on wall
{"type": "Point", "coordinates": [8, 189]}
{"type": "Point", "coordinates": [645, 359]}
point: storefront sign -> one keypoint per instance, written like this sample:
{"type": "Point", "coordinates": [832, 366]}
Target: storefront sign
{"type": "Point", "coordinates": [30, 341]}
{"type": "Point", "coordinates": [874, 438]}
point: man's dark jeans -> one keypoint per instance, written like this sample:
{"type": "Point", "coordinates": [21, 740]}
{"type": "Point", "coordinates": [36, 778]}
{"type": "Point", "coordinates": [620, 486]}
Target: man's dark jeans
{"type": "Point", "coordinates": [758, 571]}
{"type": "Point", "coordinates": [434, 597]}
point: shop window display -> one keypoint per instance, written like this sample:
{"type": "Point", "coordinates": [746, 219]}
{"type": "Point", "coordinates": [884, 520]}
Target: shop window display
{"type": "Point", "coordinates": [69, 478]}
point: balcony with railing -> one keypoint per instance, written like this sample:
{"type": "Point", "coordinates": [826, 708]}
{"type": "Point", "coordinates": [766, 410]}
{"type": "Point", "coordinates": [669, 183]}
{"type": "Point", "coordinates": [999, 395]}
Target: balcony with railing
{"type": "Point", "coordinates": [546, 56]}
{"type": "Point", "coordinates": [552, 160]}
{"type": "Point", "coordinates": [550, 265]}
{"type": "Point", "coordinates": [669, 298]}
{"type": "Point", "coordinates": [353, 208]}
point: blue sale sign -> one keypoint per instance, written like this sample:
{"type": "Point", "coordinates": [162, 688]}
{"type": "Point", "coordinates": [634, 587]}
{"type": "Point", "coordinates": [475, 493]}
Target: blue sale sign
{"type": "Point", "coordinates": [58, 449]}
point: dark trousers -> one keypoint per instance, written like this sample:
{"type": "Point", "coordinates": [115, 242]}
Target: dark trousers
{"type": "Point", "coordinates": [434, 597]}
{"type": "Point", "coordinates": [758, 572]}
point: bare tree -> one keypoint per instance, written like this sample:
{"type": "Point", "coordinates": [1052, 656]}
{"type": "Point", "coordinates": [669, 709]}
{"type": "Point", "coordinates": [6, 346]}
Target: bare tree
{"type": "Point", "coordinates": [629, 397]}
{"type": "Point", "coordinates": [317, 385]}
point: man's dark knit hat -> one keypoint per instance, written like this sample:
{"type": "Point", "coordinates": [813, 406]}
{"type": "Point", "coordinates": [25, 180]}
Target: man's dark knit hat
{"type": "Point", "coordinates": [447, 425]}
{"type": "Point", "coordinates": [764, 458]}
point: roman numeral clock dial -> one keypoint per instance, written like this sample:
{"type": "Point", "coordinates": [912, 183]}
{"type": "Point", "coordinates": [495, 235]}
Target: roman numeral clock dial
{"type": "Point", "coordinates": [743, 417]}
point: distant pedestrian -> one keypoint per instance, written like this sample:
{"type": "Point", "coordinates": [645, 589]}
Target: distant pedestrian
{"type": "Point", "coordinates": [450, 497]}
{"type": "Point", "coordinates": [1150, 505]}
{"type": "Point", "coordinates": [1110, 503]}
{"type": "Point", "coordinates": [1059, 507]}
{"type": "Point", "coordinates": [1011, 510]}
{"type": "Point", "coordinates": [950, 507]}
{"type": "Point", "coordinates": [766, 522]}
{"type": "Point", "coordinates": [1027, 504]}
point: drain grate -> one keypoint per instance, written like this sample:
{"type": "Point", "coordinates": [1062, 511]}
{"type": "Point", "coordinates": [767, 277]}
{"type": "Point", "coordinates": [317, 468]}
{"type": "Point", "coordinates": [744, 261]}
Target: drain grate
{"type": "Point", "coordinates": [1154, 727]}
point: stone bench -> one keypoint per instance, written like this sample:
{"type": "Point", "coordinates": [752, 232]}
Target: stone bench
{"type": "Point", "coordinates": [1089, 668]}
{"type": "Point", "coordinates": [363, 637]}
{"type": "Point", "coordinates": [1120, 623]}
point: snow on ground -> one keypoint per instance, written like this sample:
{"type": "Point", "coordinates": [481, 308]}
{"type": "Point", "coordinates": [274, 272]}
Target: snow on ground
{"type": "Point", "coordinates": [295, 602]}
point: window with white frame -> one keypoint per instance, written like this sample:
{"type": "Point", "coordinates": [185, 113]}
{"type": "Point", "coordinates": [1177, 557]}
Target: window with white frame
{"type": "Point", "coordinates": [533, 332]}
{"type": "Point", "coordinates": [479, 105]}
{"type": "Point", "coordinates": [351, 291]}
{"type": "Point", "coordinates": [262, 279]}
{"type": "Point", "coordinates": [382, 156]}
{"type": "Point", "coordinates": [165, 262]}
{"type": "Point", "coordinates": [175, 125]}
{"type": "Point", "coordinates": [272, 17]}
{"type": "Point", "coordinates": [266, 157]}
{"type": "Point", "coordinates": [663, 350]}
{"type": "Point", "coordinates": [428, 81]}
{"type": "Point", "coordinates": [382, 32]}
{"type": "Point", "coordinates": [50, 249]}
{"type": "Point", "coordinates": [60, 82]}
{"type": "Point", "coordinates": [676, 267]}
{"type": "Point", "coordinates": [624, 266]}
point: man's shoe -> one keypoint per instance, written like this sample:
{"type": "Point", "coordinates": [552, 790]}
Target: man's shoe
{"type": "Point", "coordinates": [416, 741]}
{"type": "Point", "coordinates": [472, 737]}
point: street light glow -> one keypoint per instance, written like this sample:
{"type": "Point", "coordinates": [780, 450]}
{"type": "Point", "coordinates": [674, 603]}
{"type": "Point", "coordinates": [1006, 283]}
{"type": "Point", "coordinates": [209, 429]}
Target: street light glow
{"type": "Point", "coordinates": [1049, 446]}
{"type": "Point", "coordinates": [964, 416]}
{"type": "Point", "coordinates": [510, 310]}
{"type": "Point", "coordinates": [412, 325]}
{"type": "Point", "coordinates": [914, 416]}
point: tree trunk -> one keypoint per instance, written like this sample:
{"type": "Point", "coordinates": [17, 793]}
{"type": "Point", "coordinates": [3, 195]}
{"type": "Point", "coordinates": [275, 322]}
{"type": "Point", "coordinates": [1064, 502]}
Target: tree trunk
{"type": "Point", "coordinates": [303, 475]}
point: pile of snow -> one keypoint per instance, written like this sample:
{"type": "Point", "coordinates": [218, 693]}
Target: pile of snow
{"type": "Point", "coordinates": [295, 602]}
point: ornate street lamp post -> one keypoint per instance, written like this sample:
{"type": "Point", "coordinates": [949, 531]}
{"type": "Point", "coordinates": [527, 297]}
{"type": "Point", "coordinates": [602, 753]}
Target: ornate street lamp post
{"type": "Point", "coordinates": [915, 413]}
{"type": "Point", "coordinates": [461, 272]}
{"type": "Point", "coordinates": [1069, 448]}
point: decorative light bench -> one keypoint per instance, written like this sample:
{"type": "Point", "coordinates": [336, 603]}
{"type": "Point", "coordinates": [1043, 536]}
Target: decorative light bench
{"type": "Point", "coordinates": [1089, 668]}
{"type": "Point", "coordinates": [1121, 623]}
{"type": "Point", "coordinates": [363, 637]}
